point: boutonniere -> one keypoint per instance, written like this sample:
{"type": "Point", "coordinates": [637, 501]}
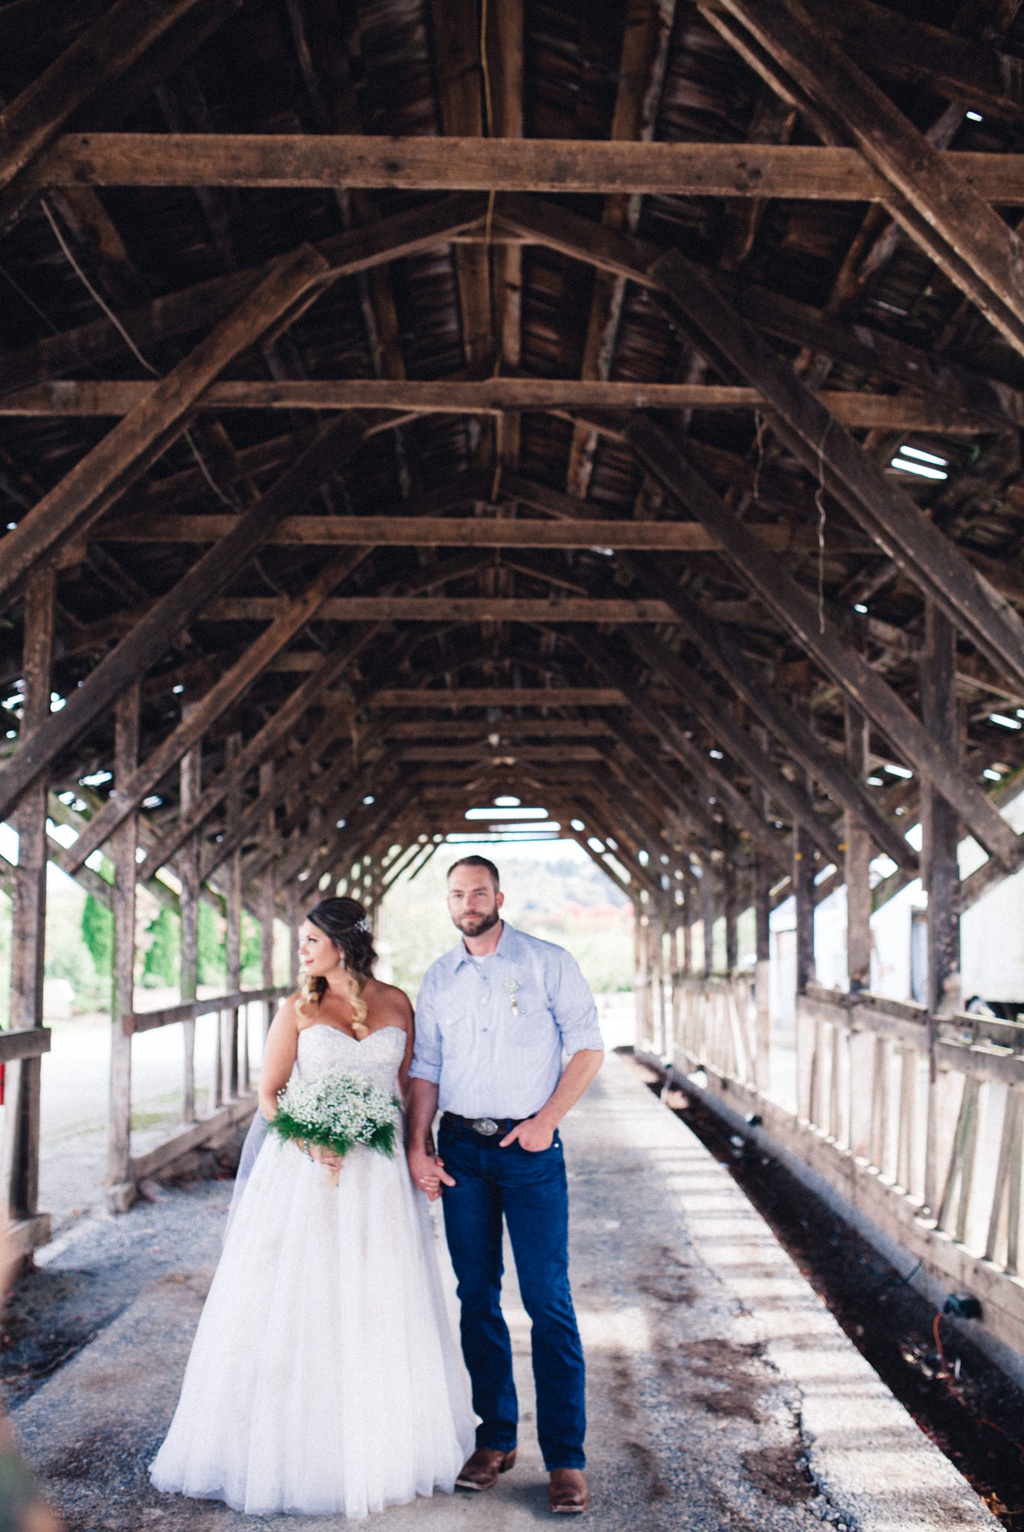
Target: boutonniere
{"type": "Point", "coordinates": [511, 990]}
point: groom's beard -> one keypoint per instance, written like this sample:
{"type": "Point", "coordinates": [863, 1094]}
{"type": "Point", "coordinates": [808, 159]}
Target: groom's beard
{"type": "Point", "coordinates": [476, 925]}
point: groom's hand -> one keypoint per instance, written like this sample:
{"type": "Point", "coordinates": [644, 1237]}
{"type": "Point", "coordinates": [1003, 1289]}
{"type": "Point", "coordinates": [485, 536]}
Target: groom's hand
{"type": "Point", "coordinates": [534, 1135]}
{"type": "Point", "coordinates": [428, 1173]}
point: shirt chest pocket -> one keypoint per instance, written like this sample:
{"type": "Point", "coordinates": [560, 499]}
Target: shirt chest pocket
{"type": "Point", "coordinates": [527, 1020]}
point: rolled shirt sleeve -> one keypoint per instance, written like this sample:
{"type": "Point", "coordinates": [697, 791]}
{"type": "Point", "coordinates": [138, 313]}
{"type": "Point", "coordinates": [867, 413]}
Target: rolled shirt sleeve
{"type": "Point", "coordinates": [573, 1007]}
{"type": "Point", "coordinates": [426, 1058]}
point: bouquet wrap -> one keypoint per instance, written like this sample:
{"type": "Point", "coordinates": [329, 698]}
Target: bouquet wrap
{"type": "Point", "coordinates": [338, 1111]}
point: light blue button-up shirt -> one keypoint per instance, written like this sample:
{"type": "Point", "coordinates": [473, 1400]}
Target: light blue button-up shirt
{"type": "Point", "coordinates": [491, 1032]}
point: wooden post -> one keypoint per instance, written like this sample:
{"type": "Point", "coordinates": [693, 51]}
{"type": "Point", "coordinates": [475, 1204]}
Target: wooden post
{"type": "Point", "coordinates": [803, 888]}
{"type": "Point", "coordinates": [28, 911]}
{"type": "Point", "coordinates": [267, 903]}
{"type": "Point", "coordinates": [730, 904]}
{"type": "Point", "coordinates": [230, 1043]}
{"type": "Point", "coordinates": [689, 917]}
{"type": "Point", "coordinates": [857, 860]}
{"type": "Point", "coordinates": [941, 828]}
{"type": "Point", "coordinates": [121, 1188]}
{"type": "Point", "coordinates": [189, 867]}
{"type": "Point", "coordinates": [762, 972]}
{"type": "Point", "coordinates": [707, 904]}
{"type": "Point", "coordinates": [293, 899]}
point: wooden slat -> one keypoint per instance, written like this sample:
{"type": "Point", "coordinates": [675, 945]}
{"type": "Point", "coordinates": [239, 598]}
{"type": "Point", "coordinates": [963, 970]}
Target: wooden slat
{"type": "Point", "coordinates": [166, 618]}
{"type": "Point", "coordinates": [480, 164]}
{"type": "Point", "coordinates": [27, 1044]}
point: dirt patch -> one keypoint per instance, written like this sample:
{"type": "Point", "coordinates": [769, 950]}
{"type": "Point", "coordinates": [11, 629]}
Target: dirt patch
{"type": "Point", "coordinates": [780, 1472]}
{"type": "Point", "coordinates": [668, 1280]}
{"type": "Point", "coordinates": [736, 1371]}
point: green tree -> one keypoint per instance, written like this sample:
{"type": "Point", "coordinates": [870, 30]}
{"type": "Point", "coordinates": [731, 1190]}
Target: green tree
{"type": "Point", "coordinates": [98, 935]}
{"type": "Point", "coordinates": [161, 967]}
{"type": "Point", "coordinates": [212, 954]}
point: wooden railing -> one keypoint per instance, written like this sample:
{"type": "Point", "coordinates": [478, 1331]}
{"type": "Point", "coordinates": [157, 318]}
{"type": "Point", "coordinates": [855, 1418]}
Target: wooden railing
{"type": "Point", "coordinates": [234, 1100]}
{"type": "Point", "coordinates": [27, 1228]}
{"type": "Point", "coordinates": [915, 1122]}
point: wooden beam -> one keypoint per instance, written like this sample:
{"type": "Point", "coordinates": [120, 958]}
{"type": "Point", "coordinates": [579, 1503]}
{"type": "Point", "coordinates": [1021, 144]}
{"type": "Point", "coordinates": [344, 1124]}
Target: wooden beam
{"type": "Point", "coordinates": [138, 440]}
{"type": "Point", "coordinates": [192, 308]}
{"type": "Point", "coordinates": [936, 204]}
{"type": "Point", "coordinates": [782, 596]}
{"type": "Point", "coordinates": [452, 532]}
{"type": "Point", "coordinates": [793, 172]}
{"type": "Point", "coordinates": [148, 640]}
{"type": "Point", "coordinates": [507, 697]}
{"type": "Point", "coordinates": [257, 751]}
{"type": "Point", "coordinates": [774, 712]}
{"type": "Point", "coordinates": [122, 1003]}
{"type": "Point", "coordinates": [695, 695]}
{"type": "Point", "coordinates": [858, 410]}
{"type": "Point", "coordinates": [87, 68]}
{"type": "Point", "coordinates": [850, 474]}
{"type": "Point", "coordinates": [443, 609]}
{"type": "Point", "coordinates": [298, 611]}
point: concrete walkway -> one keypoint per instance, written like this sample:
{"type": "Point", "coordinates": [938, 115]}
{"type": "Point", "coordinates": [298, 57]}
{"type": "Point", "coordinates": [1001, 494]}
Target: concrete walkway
{"type": "Point", "coordinates": [722, 1394]}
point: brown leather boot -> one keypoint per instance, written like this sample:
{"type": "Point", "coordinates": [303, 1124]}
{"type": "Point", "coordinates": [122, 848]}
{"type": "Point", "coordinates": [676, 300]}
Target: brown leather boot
{"type": "Point", "coordinates": [567, 1494]}
{"type": "Point", "coordinates": [482, 1469]}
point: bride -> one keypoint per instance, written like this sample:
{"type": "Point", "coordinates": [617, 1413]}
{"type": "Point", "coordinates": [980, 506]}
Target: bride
{"type": "Point", "coordinates": [324, 1377]}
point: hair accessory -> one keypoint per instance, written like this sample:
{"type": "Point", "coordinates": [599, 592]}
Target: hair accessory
{"type": "Point", "coordinates": [363, 925]}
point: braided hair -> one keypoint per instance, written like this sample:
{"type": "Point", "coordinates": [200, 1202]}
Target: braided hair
{"type": "Point", "coordinates": [344, 922]}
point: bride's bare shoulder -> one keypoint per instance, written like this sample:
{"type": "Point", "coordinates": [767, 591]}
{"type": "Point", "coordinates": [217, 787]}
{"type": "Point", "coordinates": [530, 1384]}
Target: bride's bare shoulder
{"type": "Point", "coordinates": [389, 999]}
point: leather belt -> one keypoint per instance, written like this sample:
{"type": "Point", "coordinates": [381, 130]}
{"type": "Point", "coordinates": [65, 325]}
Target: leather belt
{"type": "Point", "coordinates": [486, 1127]}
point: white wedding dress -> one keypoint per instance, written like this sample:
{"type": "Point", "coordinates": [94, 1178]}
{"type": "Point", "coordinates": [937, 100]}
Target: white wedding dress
{"type": "Point", "coordinates": [324, 1376]}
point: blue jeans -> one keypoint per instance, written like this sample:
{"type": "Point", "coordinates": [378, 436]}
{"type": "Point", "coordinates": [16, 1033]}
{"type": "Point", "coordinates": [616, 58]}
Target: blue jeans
{"type": "Point", "coordinates": [530, 1191]}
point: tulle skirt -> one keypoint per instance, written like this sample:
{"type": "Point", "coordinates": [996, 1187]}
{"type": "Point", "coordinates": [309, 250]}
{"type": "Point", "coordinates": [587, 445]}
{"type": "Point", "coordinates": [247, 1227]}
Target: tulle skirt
{"type": "Point", "coordinates": [324, 1376]}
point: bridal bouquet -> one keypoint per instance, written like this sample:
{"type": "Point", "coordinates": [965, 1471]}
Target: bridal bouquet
{"type": "Point", "coordinates": [338, 1110]}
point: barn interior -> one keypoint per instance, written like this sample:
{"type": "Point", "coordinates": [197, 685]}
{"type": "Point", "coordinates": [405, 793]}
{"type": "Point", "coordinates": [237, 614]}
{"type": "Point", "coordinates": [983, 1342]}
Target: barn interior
{"type": "Point", "coordinates": [407, 405]}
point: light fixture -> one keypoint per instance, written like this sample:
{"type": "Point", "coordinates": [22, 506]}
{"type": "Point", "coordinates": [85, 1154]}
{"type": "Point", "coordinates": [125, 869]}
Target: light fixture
{"type": "Point", "coordinates": [920, 469]}
{"type": "Point", "coordinates": [925, 457]}
{"type": "Point", "coordinates": [500, 812]}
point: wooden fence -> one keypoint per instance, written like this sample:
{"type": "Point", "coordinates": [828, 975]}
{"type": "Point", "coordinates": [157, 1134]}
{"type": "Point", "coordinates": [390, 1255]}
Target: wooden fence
{"type": "Point", "coordinates": [233, 1099]}
{"type": "Point", "coordinates": [917, 1122]}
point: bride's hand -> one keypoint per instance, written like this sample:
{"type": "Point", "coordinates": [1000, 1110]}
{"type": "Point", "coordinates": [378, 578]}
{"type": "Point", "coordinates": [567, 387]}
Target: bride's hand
{"type": "Point", "coordinates": [326, 1157]}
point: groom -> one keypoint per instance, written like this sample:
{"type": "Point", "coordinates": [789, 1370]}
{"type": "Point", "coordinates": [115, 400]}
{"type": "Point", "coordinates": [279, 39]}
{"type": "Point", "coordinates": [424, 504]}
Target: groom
{"type": "Point", "coordinates": [494, 1017]}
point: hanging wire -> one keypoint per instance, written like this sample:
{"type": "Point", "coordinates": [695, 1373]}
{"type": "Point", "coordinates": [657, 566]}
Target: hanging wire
{"type": "Point", "coordinates": [819, 500]}
{"type": "Point", "coordinates": [759, 443]}
{"type": "Point", "coordinates": [133, 348]}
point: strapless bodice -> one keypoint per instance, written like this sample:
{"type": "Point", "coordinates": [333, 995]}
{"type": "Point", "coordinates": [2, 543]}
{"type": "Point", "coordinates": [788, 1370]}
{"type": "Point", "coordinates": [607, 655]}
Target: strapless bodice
{"type": "Point", "coordinates": [378, 1056]}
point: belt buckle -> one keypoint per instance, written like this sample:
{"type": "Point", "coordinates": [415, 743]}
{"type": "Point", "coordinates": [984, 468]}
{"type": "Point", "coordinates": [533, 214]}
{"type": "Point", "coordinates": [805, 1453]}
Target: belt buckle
{"type": "Point", "coordinates": [485, 1126]}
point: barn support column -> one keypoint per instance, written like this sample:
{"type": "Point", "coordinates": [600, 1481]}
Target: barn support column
{"type": "Point", "coordinates": [707, 906]}
{"type": "Point", "coordinates": [234, 1050]}
{"type": "Point", "coordinates": [731, 905]}
{"type": "Point", "coordinates": [762, 973]}
{"type": "Point", "coordinates": [28, 915]}
{"type": "Point", "coordinates": [189, 869]}
{"type": "Point", "coordinates": [941, 829]}
{"type": "Point", "coordinates": [803, 891]}
{"type": "Point", "coordinates": [121, 1187]}
{"type": "Point", "coordinates": [267, 905]}
{"type": "Point", "coordinates": [857, 861]}
{"type": "Point", "coordinates": [689, 916]}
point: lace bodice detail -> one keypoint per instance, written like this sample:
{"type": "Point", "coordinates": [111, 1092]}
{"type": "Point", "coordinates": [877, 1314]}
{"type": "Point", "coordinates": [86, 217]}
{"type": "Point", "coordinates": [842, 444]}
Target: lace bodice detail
{"type": "Point", "coordinates": [378, 1056]}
